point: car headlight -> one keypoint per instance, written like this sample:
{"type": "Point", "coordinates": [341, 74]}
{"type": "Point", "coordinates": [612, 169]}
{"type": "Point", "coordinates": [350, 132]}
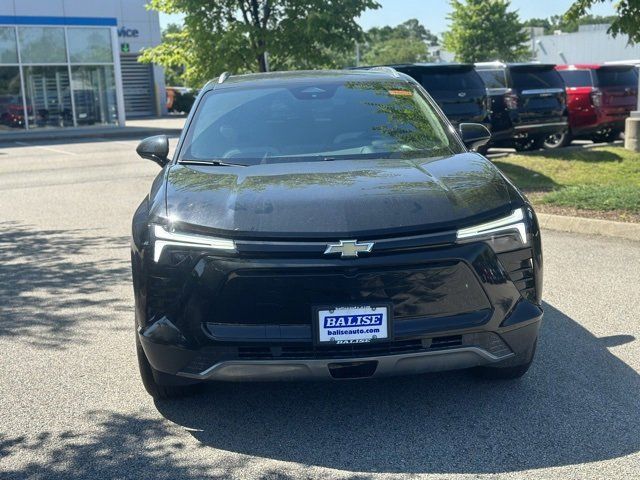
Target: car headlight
{"type": "Point", "coordinates": [164, 238]}
{"type": "Point", "coordinates": [514, 223]}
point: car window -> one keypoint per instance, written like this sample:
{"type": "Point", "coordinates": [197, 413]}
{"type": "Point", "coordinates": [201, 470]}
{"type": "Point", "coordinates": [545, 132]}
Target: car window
{"type": "Point", "coordinates": [615, 77]}
{"type": "Point", "coordinates": [451, 80]}
{"type": "Point", "coordinates": [576, 78]}
{"type": "Point", "coordinates": [352, 119]}
{"type": "Point", "coordinates": [493, 78]}
{"type": "Point", "coordinates": [536, 79]}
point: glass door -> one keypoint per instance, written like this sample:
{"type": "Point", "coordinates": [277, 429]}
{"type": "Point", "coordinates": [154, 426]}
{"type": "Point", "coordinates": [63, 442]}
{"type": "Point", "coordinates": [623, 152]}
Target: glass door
{"type": "Point", "coordinates": [48, 97]}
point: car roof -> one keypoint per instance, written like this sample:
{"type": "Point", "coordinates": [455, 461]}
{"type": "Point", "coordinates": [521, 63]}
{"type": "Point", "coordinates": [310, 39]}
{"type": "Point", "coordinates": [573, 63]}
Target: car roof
{"type": "Point", "coordinates": [579, 66]}
{"type": "Point", "coordinates": [423, 65]}
{"type": "Point", "coordinates": [292, 77]}
{"type": "Point", "coordinates": [595, 66]}
{"type": "Point", "coordinates": [497, 64]}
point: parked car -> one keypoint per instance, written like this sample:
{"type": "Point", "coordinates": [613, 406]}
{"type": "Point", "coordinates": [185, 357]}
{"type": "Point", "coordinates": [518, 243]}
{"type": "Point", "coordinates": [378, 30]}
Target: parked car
{"type": "Point", "coordinates": [503, 106]}
{"type": "Point", "coordinates": [329, 225]}
{"type": "Point", "coordinates": [538, 95]}
{"type": "Point", "coordinates": [456, 87]}
{"type": "Point", "coordinates": [180, 99]}
{"type": "Point", "coordinates": [599, 98]}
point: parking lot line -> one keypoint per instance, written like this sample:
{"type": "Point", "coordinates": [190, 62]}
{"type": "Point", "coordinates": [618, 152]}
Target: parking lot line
{"type": "Point", "coordinates": [25, 144]}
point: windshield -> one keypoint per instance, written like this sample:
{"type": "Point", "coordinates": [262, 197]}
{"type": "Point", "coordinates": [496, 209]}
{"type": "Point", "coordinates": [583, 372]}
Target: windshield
{"type": "Point", "coordinates": [536, 78]}
{"type": "Point", "coordinates": [493, 78]}
{"type": "Point", "coordinates": [576, 78]}
{"type": "Point", "coordinates": [316, 121]}
{"type": "Point", "coordinates": [617, 77]}
{"type": "Point", "coordinates": [448, 81]}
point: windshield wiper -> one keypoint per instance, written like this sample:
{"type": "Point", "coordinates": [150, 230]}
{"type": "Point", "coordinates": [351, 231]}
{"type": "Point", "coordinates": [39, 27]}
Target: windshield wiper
{"type": "Point", "coordinates": [215, 163]}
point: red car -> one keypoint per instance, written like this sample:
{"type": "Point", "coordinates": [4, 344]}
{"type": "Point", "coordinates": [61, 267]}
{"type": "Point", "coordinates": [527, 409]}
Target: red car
{"type": "Point", "coordinates": [599, 99]}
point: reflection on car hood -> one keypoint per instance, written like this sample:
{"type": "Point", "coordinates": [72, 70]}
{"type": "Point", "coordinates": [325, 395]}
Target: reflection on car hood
{"type": "Point", "coordinates": [337, 198]}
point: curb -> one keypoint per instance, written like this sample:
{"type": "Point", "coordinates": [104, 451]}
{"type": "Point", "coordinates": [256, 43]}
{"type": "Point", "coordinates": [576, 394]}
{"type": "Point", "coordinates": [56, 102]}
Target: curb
{"type": "Point", "coordinates": [589, 226]}
{"type": "Point", "coordinates": [113, 132]}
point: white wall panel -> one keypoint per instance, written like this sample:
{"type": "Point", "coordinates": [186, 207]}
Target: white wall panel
{"type": "Point", "coordinates": [585, 47]}
{"type": "Point", "coordinates": [6, 7]}
{"type": "Point", "coordinates": [46, 8]}
{"type": "Point", "coordinates": [91, 8]}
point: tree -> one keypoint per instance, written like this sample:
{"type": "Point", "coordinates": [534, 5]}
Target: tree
{"type": "Point", "coordinates": [482, 30]}
{"type": "Point", "coordinates": [404, 43]}
{"type": "Point", "coordinates": [173, 73]}
{"type": "Point", "coordinates": [560, 22]}
{"type": "Point", "coordinates": [626, 21]}
{"type": "Point", "coordinates": [250, 35]}
{"type": "Point", "coordinates": [396, 50]}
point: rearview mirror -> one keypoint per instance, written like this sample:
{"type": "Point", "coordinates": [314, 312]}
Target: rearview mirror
{"type": "Point", "coordinates": [155, 149]}
{"type": "Point", "coordinates": [474, 135]}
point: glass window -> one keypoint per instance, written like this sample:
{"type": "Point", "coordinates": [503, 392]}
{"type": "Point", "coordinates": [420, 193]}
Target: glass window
{"type": "Point", "coordinates": [48, 97]}
{"type": "Point", "coordinates": [8, 49]}
{"type": "Point", "coordinates": [576, 78]}
{"type": "Point", "coordinates": [94, 93]}
{"type": "Point", "coordinates": [452, 81]}
{"type": "Point", "coordinates": [536, 78]}
{"type": "Point", "coordinates": [42, 45]}
{"type": "Point", "coordinates": [11, 106]}
{"type": "Point", "coordinates": [617, 77]}
{"type": "Point", "coordinates": [310, 121]}
{"type": "Point", "coordinates": [89, 45]}
{"type": "Point", "coordinates": [493, 78]}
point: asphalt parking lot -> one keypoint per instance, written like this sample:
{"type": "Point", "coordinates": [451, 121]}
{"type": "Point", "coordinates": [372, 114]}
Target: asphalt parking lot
{"type": "Point", "coordinates": [72, 405]}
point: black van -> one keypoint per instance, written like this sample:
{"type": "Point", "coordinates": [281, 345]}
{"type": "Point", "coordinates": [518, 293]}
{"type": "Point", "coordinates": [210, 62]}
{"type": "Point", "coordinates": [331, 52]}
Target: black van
{"type": "Point", "coordinates": [529, 96]}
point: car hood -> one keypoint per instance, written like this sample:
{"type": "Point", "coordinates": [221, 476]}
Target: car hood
{"type": "Point", "coordinates": [337, 198]}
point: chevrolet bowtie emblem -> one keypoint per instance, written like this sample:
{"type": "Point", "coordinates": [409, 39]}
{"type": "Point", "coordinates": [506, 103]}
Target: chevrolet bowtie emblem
{"type": "Point", "coordinates": [348, 248]}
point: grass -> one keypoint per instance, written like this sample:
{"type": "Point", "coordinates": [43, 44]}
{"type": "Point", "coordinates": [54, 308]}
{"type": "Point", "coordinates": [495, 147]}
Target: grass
{"type": "Point", "coordinates": [601, 179]}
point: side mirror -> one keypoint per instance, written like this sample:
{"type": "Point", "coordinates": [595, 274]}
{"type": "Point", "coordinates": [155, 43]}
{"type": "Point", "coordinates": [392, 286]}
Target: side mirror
{"type": "Point", "coordinates": [474, 135]}
{"type": "Point", "coordinates": [155, 149]}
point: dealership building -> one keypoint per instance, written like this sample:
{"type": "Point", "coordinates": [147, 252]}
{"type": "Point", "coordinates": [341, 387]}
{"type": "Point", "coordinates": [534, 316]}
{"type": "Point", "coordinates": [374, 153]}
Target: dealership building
{"type": "Point", "coordinates": [73, 63]}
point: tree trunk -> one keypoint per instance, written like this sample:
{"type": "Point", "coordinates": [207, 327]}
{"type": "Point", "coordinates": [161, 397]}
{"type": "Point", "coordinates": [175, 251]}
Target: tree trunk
{"type": "Point", "coordinates": [262, 62]}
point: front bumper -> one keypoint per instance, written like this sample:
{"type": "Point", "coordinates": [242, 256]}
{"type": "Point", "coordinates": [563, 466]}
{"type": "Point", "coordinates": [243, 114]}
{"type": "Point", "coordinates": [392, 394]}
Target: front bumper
{"type": "Point", "coordinates": [428, 354]}
{"type": "Point", "coordinates": [502, 349]}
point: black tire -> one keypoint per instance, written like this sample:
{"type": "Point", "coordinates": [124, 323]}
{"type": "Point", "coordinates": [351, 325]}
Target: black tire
{"type": "Point", "coordinates": [528, 144]}
{"type": "Point", "coordinates": [510, 372]}
{"type": "Point", "coordinates": [150, 379]}
{"type": "Point", "coordinates": [558, 140]}
{"type": "Point", "coordinates": [605, 136]}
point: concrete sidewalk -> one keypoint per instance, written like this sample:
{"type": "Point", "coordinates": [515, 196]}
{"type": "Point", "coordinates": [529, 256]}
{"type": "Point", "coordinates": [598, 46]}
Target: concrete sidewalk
{"type": "Point", "coordinates": [134, 129]}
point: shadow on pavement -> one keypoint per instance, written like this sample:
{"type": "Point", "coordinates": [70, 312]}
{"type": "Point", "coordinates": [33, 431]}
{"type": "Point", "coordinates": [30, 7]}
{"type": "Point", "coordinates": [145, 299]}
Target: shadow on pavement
{"type": "Point", "coordinates": [577, 404]}
{"type": "Point", "coordinates": [123, 446]}
{"type": "Point", "coordinates": [53, 279]}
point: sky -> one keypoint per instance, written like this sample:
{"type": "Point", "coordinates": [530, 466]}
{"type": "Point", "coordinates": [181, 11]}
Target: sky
{"type": "Point", "coordinates": [432, 13]}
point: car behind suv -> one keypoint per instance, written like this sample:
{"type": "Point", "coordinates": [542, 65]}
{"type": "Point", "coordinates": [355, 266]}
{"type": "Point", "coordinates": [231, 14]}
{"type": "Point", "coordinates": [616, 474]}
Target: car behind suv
{"type": "Point", "coordinates": [456, 87]}
{"type": "Point", "coordinates": [329, 225]}
{"type": "Point", "coordinates": [599, 98]}
{"type": "Point", "coordinates": [530, 96]}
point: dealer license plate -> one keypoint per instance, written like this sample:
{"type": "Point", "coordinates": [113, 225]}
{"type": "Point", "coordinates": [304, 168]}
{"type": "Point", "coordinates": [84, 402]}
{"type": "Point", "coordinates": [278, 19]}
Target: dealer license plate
{"type": "Point", "coordinates": [353, 324]}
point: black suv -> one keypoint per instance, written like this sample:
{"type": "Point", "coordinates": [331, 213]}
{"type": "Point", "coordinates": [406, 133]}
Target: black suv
{"type": "Point", "coordinates": [329, 225]}
{"type": "Point", "coordinates": [528, 103]}
{"type": "Point", "coordinates": [456, 87]}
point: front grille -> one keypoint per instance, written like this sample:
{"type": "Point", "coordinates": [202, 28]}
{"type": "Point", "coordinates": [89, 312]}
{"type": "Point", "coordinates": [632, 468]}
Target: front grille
{"type": "Point", "coordinates": [309, 351]}
{"type": "Point", "coordinates": [519, 266]}
{"type": "Point", "coordinates": [489, 341]}
{"type": "Point", "coordinates": [286, 297]}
